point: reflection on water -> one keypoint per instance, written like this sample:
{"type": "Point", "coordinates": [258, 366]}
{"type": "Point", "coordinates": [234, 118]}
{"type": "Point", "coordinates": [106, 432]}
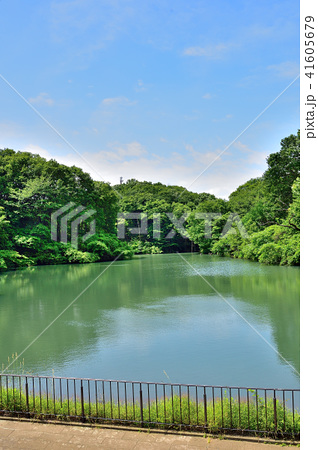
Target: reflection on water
{"type": "Point", "coordinates": [154, 318]}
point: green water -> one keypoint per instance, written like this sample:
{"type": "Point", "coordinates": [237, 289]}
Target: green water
{"type": "Point", "coordinates": [155, 318]}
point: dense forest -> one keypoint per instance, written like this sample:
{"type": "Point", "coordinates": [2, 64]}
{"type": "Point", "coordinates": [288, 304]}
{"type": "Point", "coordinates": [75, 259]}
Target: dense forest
{"type": "Point", "coordinates": [260, 221]}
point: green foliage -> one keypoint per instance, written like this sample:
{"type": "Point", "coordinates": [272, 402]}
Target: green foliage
{"type": "Point", "coordinates": [221, 413]}
{"type": "Point", "coordinates": [144, 247]}
{"type": "Point", "coordinates": [274, 245]}
{"type": "Point", "coordinates": [10, 259]}
{"type": "Point", "coordinates": [270, 253]}
{"type": "Point", "coordinates": [105, 247]}
{"type": "Point", "coordinates": [283, 170]}
{"type": "Point", "coordinates": [246, 196]}
{"type": "Point", "coordinates": [4, 227]}
{"type": "Point", "coordinates": [31, 190]}
{"type": "Point", "coordinates": [156, 198]}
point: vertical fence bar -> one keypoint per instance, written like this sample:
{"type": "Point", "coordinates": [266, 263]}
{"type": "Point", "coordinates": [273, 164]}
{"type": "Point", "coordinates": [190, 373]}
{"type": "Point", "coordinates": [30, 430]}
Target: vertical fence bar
{"type": "Point", "coordinates": [266, 426]}
{"type": "Point", "coordinates": [156, 394]}
{"type": "Point", "coordinates": [293, 407]}
{"type": "Point", "coordinates": [111, 400]}
{"type": "Point", "coordinates": [20, 388]}
{"type": "Point", "coordinates": [213, 404]}
{"type": "Point", "coordinates": [104, 399]}
{"type": "Point", "coordinates": [89, 398]}
{"type": "Point", "coordinates": [40, 393]}
{"type": "Point", "coordinates": [189, 411]}
{"type": "Point", "coordinates": [149, 418]}
{"type": "Point", "coordinates": [61, 395]}
{"type": "Point", "coordinates": [180, 396]}
{"type": "Point", "coordinates": [248, 409]}
{"type": "Point", "coordinates": [141, 406]}
{"type": "Point", "coordinates": [27, 394]}
{"type": "Point", "coordinates": [197, 403]}
{"type": "Point", "coordinates": [7, 388]}
{"type": "Point", "coordinates": [231, 418]}
{"type": "Point", "coordinates": [172, 406]}
{"type": "Point", "coordinates": [284, 406]}
{"type": "Point", "coordinates": [205, 408]}
{"type": "Point", "coordinates": [239, 407]}
{"type": "Point", "coordinates": [75, 397]}
{"type": "Point", "coordinates": [222, 407]}
{"type": "Point", "coordinates": [47, 394]}
{"type": "Point", "coordinates": [1, 404]}
{"type": "Point", "coordinates": [275, 411]}
{"type": "Point", "coordinates": [82, 402]}
{"type": "Point", "coordinates": [164, 402]}
{"type": "Point", "coordinates": [68, 396]}
{"type": "Point", "coordinates": [133, 397]}
{"type": "Point", "coordinates": [256, 399]}
{"type": "Point", "coordinates": [96, 399]}
{"type": "Point", "coordinates": [13, 393]}
{"type": "Point", "coordinates": [33, 394]}
{"type": "Point", "coordinates": [53, 387]}
{"type": "Point", "coordinates": [126, 406]}
{"type": "Point", "coordinates": [118, 401]}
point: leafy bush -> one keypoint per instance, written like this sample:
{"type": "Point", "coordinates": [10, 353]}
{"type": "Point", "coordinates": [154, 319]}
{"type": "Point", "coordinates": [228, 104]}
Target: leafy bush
{"type": "Point", "coordinates": [10, 259]}
{"type": "Point", "coordinates": [291, 251]}
{"type": "Point", "coordinates": [270, 253]}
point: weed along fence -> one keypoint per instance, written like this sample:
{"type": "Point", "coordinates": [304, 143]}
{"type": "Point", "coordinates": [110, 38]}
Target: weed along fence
{"type": "Point", "coordinates": [270, 412]}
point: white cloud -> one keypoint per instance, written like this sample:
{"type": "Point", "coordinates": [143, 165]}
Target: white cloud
{"type": "Point", "coordinates": [252, 157]}
{"type": "Point", "coordinates": [42, 99]}
{"type": "Point", "coordinates": [35, 149]}
{"type": "Point", "coordinates": [223, 119]}
{"type": "Point", "coordinates": [132, 160]}
{"type": "Point", "coordinates": [210, 51]}
{"type": "Point", "coordinates": [141, 86]}
{"type": "Point", "coordinates": [287, 69]}
{"type": "Point", "coordinates": [116, 101]}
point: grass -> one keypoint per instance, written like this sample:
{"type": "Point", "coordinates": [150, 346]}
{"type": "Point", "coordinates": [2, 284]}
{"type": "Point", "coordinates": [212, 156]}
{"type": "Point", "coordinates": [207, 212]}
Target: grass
{"type": "Point", "coordinates": [220, 415]}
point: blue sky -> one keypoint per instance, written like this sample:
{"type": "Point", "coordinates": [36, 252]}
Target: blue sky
{"type": "Point", "coordinates": [151, 89]}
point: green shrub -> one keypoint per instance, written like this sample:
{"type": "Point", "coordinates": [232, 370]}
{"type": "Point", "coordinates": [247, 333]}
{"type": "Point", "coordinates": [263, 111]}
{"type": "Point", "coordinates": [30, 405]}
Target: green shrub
{"type": "Point", "coordinates": [270, 253]}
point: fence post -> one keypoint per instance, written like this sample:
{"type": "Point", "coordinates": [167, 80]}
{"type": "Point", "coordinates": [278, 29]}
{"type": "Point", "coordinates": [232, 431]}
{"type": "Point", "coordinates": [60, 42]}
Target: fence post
{"type": "Point", "coordinates": [205, 410]}
{"type": "Point", "coordinates": [82, 402]}
{"type": "Point", "coordinates": [141, 407]}
{"type": "Point", "coordinates": [27, 393]}
{"type": "Point", "coordinates": [275, 412]}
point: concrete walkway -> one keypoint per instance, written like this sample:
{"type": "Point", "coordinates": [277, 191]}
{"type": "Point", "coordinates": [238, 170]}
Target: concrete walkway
{"type": "Point", "coordinates": [33, 435]}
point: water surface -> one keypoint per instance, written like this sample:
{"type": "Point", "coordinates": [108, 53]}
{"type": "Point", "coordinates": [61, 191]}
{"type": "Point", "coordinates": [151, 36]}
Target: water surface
{"type": "Point", "coordinates": [156, 318]}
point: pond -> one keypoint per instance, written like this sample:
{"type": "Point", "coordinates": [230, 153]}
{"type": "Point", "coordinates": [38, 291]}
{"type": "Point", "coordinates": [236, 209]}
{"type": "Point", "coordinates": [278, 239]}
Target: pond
{"type": "Point", "coordinates": [186, 318]}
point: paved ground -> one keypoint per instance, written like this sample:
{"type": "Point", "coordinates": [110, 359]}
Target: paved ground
{"type": "Point", "coordinates": [32, 435]}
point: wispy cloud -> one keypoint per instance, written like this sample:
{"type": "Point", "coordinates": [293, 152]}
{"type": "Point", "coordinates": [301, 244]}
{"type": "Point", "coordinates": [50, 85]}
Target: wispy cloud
{"type": "Point", "coordinates": [252, 157]}
{"type": "Point", "coordinates": [223, 119]}
{"type": "Point", "coordinates": [117, 101]}
{"type": "Point", "coordinates": [209, 51]}
{"type": "Point", "coordinates": [141, 86]}
{"type": "Point", "coordinates": [286, 69]}
{"type": "Point", "coordinates": [132, 160]}
{"type": "Point", "coordinates": [43, 99]}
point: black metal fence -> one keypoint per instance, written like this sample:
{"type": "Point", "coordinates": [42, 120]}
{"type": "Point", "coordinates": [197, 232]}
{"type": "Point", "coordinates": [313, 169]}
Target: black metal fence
{"type": "Point", "coordinates": [271, 412]}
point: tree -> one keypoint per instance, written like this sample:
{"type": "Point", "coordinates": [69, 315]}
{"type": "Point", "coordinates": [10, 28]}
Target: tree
{"type": "Point", "coordinates": [283, 170]}
{"type": "Point", "coordinates": [246, 196]}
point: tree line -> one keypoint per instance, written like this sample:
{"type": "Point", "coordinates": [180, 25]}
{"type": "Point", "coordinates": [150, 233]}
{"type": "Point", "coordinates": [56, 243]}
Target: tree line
{"type": "Point", "coordinates": [31, 189]}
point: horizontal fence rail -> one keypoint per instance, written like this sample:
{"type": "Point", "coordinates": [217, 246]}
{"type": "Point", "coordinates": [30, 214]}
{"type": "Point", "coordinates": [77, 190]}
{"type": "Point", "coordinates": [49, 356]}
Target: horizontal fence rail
{"type": "Point", "coordinates": [270, 412]}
